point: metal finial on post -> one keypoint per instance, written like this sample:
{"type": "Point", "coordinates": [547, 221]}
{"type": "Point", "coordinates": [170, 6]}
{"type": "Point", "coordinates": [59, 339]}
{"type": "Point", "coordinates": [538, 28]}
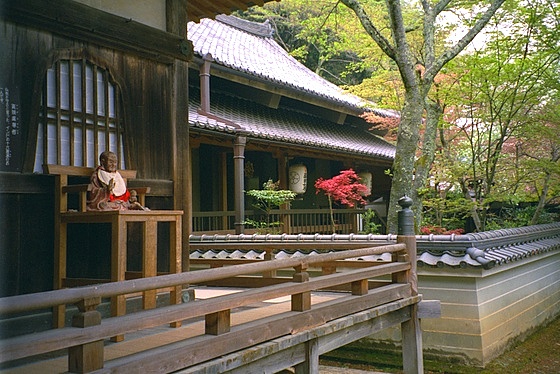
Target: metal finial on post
{"type": "Point", "coordinates": [405, 217]}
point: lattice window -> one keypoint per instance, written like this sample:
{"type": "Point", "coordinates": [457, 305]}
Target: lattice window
{"type": "Point", "coordinates": [80, 116]}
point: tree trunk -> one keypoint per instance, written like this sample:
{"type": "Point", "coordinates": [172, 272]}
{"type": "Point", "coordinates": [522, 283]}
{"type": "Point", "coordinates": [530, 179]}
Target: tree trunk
{"type": "Point", "coordinates": [417, 83]}
{"type": "Point", "coordinates": [403, 166]}
{"type": "Point", "coordinates": [542, 200]}
{"type": "Point", "coordinates": [434, 112]}
{"type": "Point", "coordinates": [332, 215]}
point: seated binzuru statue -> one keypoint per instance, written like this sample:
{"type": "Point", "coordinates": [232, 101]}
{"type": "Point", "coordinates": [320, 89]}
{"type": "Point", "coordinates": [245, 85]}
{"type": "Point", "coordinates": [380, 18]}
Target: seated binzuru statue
{"type": "Point", "coordinates": [107, 189]}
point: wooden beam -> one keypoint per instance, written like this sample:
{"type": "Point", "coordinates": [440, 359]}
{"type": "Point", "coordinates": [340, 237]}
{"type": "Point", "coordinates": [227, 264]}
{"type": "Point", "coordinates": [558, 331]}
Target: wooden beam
{"type": "Point", "coordinates": [78, 21]}
{"type": "Point", "coordinates": [290, 350]}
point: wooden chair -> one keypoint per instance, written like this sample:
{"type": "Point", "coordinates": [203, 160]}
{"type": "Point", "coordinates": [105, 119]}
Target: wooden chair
{"type": "Point", "coordinates": [119, 220]}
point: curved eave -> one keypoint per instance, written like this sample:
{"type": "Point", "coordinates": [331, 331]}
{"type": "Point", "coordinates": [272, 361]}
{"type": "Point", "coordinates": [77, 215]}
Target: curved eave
{"type": "Point", "coordinates": [198, 9]}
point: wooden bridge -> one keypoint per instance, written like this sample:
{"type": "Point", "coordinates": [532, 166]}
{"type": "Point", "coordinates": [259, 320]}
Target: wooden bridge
{"type": "Point", "coordinates": [234, 332]}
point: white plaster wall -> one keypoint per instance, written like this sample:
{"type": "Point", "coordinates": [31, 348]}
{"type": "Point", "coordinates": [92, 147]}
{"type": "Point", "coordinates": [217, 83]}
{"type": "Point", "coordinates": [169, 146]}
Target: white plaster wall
{"type": "Point", "coordinates": [148, 12]}
{"type": "Point", "coordinates": [457, 333]}
{"type": "Point", "coordinates": [483, 312]}
{"type": "Point", "coordinates": [516, 300]}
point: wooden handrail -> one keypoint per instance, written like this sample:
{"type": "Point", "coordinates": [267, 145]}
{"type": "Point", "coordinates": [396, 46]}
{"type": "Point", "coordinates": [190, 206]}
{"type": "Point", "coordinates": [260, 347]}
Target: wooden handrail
{"type": "Point", "coordinates": [82, 171]}
{"type": "Point", "coordinates": [217, 309]}
{"type": "Point", "coordinates": [20, 303]}
{"type": "Point", "coordinates": [63, 338]}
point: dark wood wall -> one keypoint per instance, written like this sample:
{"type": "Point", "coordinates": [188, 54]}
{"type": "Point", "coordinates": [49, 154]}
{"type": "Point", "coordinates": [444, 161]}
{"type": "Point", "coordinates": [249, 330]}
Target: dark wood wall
{"type": "Point", "coordinates": [26, 199]}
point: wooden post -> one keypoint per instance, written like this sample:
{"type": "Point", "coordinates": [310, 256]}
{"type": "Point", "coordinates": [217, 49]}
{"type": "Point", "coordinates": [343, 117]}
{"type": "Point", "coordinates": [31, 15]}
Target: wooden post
{"type": "Point", "coordinates": [301, 301]}
{"type": "Point", "coordinates": [119, 230]}
{"type": "Point", "coordinates": [410, 330]}
{"type": "Point", "coordinates": [268, 256]}
{"type": "Point", "coordinates": [60, 247]}
{"type": "Point", "coordinates": [311, 363]}
{"type": "Point", "coordinates": [175, 262]}
{"type": "Point", "coordinates": [149, 261]}
{"type": "Point", "coordinates": [360, 287]}
{"type": "Point", "coordinates": [86, 357]}
{"type": "Point", "coordinates": [176, 23]}
{"type": "Point", "coordinates": [218, 323]}
{"type": "Point", "coordinates": [328, 269]}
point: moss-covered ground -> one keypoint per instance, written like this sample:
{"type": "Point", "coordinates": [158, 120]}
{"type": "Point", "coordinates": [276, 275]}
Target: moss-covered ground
{"type": "Point", "coordinates": [539, 353]}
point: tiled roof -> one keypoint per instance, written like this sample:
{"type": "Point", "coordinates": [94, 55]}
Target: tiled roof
{"type": "Point", "coordinates": [481, 250]}
{"type": "Point", "coordinates": [288, 127]}
{"type": "Point", "coordinates": [249, 48]}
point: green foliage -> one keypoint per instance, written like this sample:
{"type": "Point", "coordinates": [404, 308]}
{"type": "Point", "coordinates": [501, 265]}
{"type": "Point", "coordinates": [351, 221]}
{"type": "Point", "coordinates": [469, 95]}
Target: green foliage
{"type": "Point", "coordinates": [267, 199]}
{"type": "Point", "coordinates": [264, 227]}
{"type": "Point", "coordinates": [324, 36]}
{"type": "Point", "coordinates": [370, 226]}
{"type": "Point", "coordinates": [270, 197]}
{"type": "Point", "coordinates": [500, 137]}
{"type": "Point", "coordinates": [515, 216]}
{"type": "Point", "coordinates": [447, 211]}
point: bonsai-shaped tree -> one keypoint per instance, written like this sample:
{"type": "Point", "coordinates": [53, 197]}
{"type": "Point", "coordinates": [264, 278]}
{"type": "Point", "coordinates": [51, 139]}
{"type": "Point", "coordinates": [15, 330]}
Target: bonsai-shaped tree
{"type": "Point", "coordinates": [344, 189]}
{"type": "Point", "coordinates": [267, 199]}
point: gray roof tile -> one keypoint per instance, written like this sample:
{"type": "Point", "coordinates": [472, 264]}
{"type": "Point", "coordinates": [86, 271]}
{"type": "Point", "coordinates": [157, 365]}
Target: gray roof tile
{"type": "Point", "coordinates": [287, 126]}
{"type": "Point", "coordinates": [447, 251]}
{"type": "Point", "coordinates": [248, 47]}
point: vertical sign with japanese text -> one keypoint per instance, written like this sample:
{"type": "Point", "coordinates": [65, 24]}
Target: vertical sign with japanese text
{"type": "Point", "coordinates": [10, 138]}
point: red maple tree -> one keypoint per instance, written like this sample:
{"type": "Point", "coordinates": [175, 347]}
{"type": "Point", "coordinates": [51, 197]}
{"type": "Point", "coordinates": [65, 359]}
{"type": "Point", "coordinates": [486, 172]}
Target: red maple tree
{"type": "Point", "coordinates": [344, 189]}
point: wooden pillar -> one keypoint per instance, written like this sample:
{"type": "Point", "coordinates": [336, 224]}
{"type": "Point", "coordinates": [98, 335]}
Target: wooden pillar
{"type": "Point", "coordinates": [283, 178]}
{"type": "Point", "coordinates": [176, 23]}
{"type": "Point", "coordinates": [205, 82]}
{"type": "Point", "coordinates": [239, 182]}
{"type": "Point", "coordinates": [60, 248]}
{"type": "Point", "coordinates": [224, 191]}
{"type": "Point", "coordinates": [311, 363]}
{"type": "Point", "coordinates": [410, 330]}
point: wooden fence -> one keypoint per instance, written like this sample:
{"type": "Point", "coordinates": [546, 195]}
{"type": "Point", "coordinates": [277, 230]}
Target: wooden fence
{"type": "Point", "coordinates": [292, 221]}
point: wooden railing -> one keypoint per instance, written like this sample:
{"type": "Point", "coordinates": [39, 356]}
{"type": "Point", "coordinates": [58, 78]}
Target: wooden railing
{"type": "Point", "coordinates": [385, 293]}
{"type": "Point", "coordinates": [89, 330]}
{"type": "Point", "coordinates": [293, 221]}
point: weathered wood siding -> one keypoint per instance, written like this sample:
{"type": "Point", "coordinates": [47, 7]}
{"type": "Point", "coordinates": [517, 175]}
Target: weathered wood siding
{"type": "Point", "coordinates": [144, 84]}
{"type": "Point", "coordinates": [26, 219]}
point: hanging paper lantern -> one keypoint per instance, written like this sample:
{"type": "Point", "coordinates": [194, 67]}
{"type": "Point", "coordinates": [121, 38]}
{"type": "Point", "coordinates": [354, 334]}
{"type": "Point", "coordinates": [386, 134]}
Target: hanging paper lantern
{"type": "Point", "coordinates": [297, 175]}
{"type": "Point", "coordinates": [367, 180]}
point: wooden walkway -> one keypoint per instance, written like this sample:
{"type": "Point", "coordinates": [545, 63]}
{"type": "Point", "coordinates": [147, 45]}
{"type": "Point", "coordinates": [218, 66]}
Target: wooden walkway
{"type": "Point", "coordinates": [146, 339]}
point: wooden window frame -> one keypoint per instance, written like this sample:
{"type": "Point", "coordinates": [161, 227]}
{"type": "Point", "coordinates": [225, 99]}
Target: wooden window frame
{"type": "Point", "coordinates": [81, 105]}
